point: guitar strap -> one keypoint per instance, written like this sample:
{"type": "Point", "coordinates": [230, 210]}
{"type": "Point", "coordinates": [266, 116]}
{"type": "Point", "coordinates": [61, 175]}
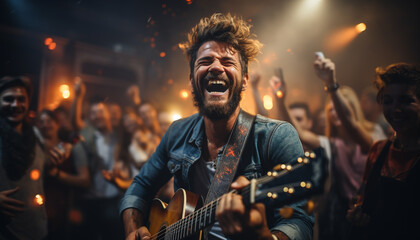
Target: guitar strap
{"type": "Point", "coordinates": [226, 168]}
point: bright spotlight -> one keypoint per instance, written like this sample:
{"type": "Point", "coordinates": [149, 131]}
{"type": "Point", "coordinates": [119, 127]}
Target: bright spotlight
{"type": "Point", "coordinates": [176, 116]}
{"type": "Point", "coordinates": [184, 94]}
{"type": "Point", "coordinates": [268, 102]}
{"type": "Point", "coordinates": [65, 91]}
{"type": "Point", "coordinates": [361, 27]}
{"type": "Point", "coordinates": [308, 7]}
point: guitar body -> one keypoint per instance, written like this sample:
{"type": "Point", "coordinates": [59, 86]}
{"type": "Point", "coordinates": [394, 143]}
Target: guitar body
{"type": "Point", "coordinates": [163, 215]}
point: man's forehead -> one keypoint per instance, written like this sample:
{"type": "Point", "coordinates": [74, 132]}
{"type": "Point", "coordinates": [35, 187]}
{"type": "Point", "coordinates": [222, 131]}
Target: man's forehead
{"type": "Point", "coordinates": [18, 90]}
{"type": "Point", "coordinates": [216, 47]}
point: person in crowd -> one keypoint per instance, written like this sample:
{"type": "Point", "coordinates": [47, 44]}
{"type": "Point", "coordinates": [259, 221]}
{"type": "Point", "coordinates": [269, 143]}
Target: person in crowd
{"type": "Point", "coordinates": [149, 116]}
{"type": "Point", "coordinates": [22, 162]}
{"type": "Point", "coordinates": [116, 115]}
{"type": "Point", "coordinates": [165, 120]}
{"type": "Point", "coordinates": [99, 203]}
{"type": "Point", "coordinates": [219, 48]}
{"type": "Point", "coordinates": [134, 149]}
{"type": "Point", "coordinates": [388, 205]}
{"type": "Point", "coordinates": [254, 79]}
{"type": "Point", "coordinates": [300, 112]}
{"type": "Point", "coordinates": [372, 110]}
{"type": "Point", "coordinates": [299, 115]}
{"type": "Point", "coordinates": [66, 174]}
{"type": "Point", "coordinates": [319, 120]}
{"type": "Point", "coordinates": [348, 139]}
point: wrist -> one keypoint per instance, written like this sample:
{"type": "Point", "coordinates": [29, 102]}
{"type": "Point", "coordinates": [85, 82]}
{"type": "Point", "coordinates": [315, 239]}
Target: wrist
{"type": "Point", "coordinates": [332, 87]}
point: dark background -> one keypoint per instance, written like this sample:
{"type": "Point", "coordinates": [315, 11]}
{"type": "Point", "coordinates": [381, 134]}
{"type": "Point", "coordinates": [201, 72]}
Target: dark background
{"type": "Point", "coordinates": [145, 28]}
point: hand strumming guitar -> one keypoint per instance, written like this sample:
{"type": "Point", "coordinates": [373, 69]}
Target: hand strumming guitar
{"type": "Point", "coordinates": [239, 222]}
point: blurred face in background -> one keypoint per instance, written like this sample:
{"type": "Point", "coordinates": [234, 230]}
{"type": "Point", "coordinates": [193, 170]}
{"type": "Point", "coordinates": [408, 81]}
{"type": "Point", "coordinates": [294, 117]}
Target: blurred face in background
{"type": "Point", "coordinates": [332, 115]}
{"type": "Point", "coordinates": [99, 117]}
{"type": "Point", "coordinates": [401, 108]}
{"type": "Point", "coordinates": [14, 104]}
{"type": "Point", "coordinates": [148, 114]}
{"type": "Point", "coordinates": [115, 113]}
{"type": "Point", "coordinates": [48, 126]}
{"type": "Point", "coordinates": [131, 122]}
{"type": "Point", "coordinates": [299, 114]}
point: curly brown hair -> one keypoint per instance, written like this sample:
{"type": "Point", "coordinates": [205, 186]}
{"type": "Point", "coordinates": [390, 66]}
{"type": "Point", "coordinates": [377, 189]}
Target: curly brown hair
{"type": "Point", "coordinates": [229, 29]}
{"type": "Point", "coordinates": [397, 73]}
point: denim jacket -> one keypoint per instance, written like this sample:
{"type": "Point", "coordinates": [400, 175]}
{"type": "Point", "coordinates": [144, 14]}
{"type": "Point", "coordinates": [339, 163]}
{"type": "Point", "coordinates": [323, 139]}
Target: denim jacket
{"type": "Point", "coordinates": [270, 142]}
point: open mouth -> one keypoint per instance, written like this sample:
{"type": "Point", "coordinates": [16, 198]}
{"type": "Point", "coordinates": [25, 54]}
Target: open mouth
{"type": "Point", "coordinates": [219, 86]}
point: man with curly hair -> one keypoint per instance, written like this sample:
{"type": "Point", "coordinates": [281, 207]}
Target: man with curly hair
{"type": "Point", "coordinates": [218, 50]}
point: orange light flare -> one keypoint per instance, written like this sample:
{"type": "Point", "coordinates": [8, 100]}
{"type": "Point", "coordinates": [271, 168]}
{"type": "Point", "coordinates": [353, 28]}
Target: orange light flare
{"type": "Point", "coordinates": [35, 174]}
{"type": "Point", "coordinates": [343, 37]}
{"type": "Point", "coordinates": [268, 102]}
{"type": "Point", "coordinates": [361, 27]}
{"type": "Point", "coordinates": [48, 41]}
{"type": "Point", "coordinates": [65, 91]}
{"type": "Point", "coordinates": [52, 46]}
{"type": "Point", "coordinates": [279, 94]}
{"type": "Point", "coordinates": [162, 54]}
{"type": "Point", "coordinates": [39, 200]}
{"type": "Point", "coordinates": [184, 94]}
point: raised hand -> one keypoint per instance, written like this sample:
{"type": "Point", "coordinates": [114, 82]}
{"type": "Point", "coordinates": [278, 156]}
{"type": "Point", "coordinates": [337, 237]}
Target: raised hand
{"type": "Point", "coordinates": [325, 70]}
{"type": "Point", "coordinates": [254, 79]}
{"type": "Point", "coordinates": [79, 87]}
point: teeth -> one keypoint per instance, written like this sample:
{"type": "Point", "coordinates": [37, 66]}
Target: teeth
{"type": "Point", "coordinates": [217, 82]}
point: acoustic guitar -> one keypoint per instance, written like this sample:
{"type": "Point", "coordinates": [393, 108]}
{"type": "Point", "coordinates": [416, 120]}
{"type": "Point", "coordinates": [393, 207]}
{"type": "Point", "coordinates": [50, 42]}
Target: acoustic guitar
{"type": "Point", "coordinates": [185, 216]}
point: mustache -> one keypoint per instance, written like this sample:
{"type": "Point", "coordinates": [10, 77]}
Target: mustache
{"type": "Point", "coordinates": [211, 76]}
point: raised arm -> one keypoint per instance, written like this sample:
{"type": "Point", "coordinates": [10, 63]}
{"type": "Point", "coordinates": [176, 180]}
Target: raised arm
{"type": "Point", "coordinates": [325, 70]}
{"type": "Point", "coordinates": [76, 107]}
{"type": "Point", "coordinates": [255, 80]}
{"type": "Point", "coordinates": [308, 138]}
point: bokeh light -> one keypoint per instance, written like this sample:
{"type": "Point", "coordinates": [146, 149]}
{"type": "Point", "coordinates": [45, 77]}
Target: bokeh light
{"type": "Point", "coordinates": [184, 94]}
{"type": "Point", "coordinates": [39, 200]}
{"type": "Point", "coordinates": [35, 174]}
{"type": "Point", "coordinates": [268, 102]}
{"type": "Point", "coordinates": [361, 27]}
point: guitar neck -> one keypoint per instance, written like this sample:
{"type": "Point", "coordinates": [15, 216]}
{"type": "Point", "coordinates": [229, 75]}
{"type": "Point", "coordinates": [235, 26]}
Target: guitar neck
{"type": "Point", "coordinates": [194, 222]}
{"type": "Point", "coordinates": [259, 190]}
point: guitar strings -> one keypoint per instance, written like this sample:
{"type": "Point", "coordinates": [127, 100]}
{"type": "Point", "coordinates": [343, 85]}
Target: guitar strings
{"type": "Point", "coordinates": [182, 224]}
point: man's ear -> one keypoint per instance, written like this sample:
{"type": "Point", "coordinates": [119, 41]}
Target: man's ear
{"type": "Point", "coordinates": [245, 82]}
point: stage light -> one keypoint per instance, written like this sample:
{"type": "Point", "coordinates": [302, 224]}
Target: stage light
{"type": "Point", "coordinates": [279, 94]}
{"type": "Point", "coordinates": [268, 102]}
{"type": "Point", "coordinates": [39, 200]}
{"type": "Point", "coordinates": [65, 91]}
{"type": "Point", "coordinates": [176, 116]}
{"type": "Point", "coordinates": [66, 94]}
{"type": "Point", "coordinates": [48, 41]}
{"type": "Point", "coordinates": [162, 54]}
{"type": "Point", "coordinates": [64, 87]}
{"type": "Point", "coordinates": [361, 27]}
{"type": "Point", "coordinates": [184, 94]}
{"type": "Point", "coordinates": [52, 46]}
{"type": "Point", "coordinates": [35, 174]}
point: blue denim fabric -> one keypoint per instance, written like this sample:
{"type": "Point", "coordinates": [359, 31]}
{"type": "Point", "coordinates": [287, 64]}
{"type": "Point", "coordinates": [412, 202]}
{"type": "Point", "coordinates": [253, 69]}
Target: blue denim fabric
{"type": "Point", "coordinates": [270, 142]}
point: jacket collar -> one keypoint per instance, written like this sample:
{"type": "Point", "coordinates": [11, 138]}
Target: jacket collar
{"type": "Point", "coordinates": [197, 135]}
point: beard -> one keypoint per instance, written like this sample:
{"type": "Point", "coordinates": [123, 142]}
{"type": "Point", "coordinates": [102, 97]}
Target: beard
{"type": "Point", "coordinates": [216, 111]}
